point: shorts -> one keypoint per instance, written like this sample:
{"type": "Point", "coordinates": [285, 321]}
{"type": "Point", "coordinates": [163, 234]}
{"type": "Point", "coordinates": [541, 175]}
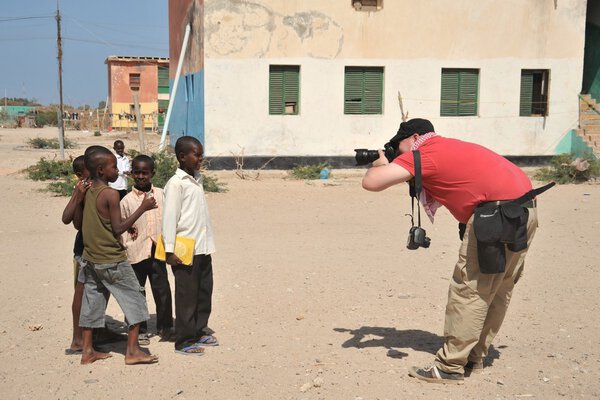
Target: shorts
{"type": "Point", "coordinates": [117, 279]}
{"type": "Point", "coordinates": [78, 272]}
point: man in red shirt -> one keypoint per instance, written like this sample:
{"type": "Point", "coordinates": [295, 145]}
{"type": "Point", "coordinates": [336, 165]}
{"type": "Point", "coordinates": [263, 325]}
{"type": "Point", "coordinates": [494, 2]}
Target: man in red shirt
{"type": "Point", "coordinates": [460, 176]}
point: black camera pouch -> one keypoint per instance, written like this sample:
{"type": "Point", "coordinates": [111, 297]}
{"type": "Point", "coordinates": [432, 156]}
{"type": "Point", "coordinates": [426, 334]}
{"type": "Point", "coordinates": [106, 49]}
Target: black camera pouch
{"type": "Point", "coordinates": [488, 227]}
{"type": "Point", "coordinates": [495, 226]}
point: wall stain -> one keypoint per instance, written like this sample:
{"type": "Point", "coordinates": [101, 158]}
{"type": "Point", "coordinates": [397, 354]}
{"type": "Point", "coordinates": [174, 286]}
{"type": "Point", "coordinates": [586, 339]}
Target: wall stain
{"type": "Point", "coordinates": [248, 29]}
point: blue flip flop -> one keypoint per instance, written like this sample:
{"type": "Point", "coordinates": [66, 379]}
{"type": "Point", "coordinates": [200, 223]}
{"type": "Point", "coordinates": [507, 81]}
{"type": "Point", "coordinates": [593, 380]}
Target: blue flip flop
{"type": "Point", "coordinates": [207, 340]}
{"type": "Point", "coordinates": [191, 350]}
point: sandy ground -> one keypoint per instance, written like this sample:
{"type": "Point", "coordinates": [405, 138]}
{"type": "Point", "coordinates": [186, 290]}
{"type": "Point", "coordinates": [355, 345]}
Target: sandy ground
{"type": "Point", "coordinates": [316, 297]}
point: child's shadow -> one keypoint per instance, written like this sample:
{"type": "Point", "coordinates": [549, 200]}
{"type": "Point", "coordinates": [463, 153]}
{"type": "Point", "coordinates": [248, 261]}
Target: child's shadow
{"type": "Point", "coordinates": [392, 339]}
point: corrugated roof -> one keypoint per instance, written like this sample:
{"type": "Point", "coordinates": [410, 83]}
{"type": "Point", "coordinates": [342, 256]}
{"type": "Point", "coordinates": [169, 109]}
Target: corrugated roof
{"type": "Point", "coordinates": [137, 59]}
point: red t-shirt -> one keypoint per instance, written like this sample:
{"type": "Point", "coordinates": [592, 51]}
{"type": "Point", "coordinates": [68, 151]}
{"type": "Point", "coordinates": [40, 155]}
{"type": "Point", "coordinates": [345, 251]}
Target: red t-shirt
{"type": "Point", "coordinates": [461, 175]}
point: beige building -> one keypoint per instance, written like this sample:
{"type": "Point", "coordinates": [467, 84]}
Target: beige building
{"type": "Point", "coordinates": [314, 78]}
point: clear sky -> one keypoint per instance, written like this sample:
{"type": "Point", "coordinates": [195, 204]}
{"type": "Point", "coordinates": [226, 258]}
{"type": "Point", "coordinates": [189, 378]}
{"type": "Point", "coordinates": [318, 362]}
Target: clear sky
{"type": "Point", "coordinates": [91, 30]}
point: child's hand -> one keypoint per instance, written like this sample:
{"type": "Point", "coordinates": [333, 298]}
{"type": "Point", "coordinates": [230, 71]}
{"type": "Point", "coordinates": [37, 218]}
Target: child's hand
{"type": "Point", "coordinates": [149, 202]}
{"type": "Point", "coordinates": [133, 232]}
{"type": "Point", "coordinates": [172, 259]}
{"type": "Point", "coordinates": [81, 187]}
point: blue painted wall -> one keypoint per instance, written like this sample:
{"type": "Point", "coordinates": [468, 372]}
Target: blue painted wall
{"type": "Point", "coordinates": [573, 144]}
{"type": "Point", "coordinates": [187, 115]}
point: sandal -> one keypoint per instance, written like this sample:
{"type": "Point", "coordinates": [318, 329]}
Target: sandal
{"type": "Point", "coordinates": [207, 340]}
{"type": "Point", "coordinates": [191, 351]}
{"type": "Point", "coordinates": [144, 339]}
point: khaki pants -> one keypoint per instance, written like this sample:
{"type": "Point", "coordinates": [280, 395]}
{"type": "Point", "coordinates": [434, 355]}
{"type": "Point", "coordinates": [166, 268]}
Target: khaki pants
{"type": "Point", "coordinates": [477, 302]}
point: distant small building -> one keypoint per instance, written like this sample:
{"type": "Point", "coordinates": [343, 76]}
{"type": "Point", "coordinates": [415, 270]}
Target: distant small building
{"type": "Point", "coordinates": [146, 76]}
{"type": "Point", "coordinates": [17, 111]}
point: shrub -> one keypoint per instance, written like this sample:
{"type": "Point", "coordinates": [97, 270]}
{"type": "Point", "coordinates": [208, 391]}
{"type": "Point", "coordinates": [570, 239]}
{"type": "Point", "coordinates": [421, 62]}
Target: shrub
{"type": "Point", "coordinates": [43, 118]}
{"type": "Point", "coordinates": [41, 143]}
{"type": "Point", "coordinates": [97, 133]}
{"type": "Point", "coordinates": [50, 170]}
{"type": "Point", "coordinates": [567, 169]}
{"type": "Point", "coordinates": [165, 165]}
{"type": "Point", "coordinates": [212, 184]}
{"type": "Point", "coordinates": [311, 171]}
{"type": "Point", "coordinates": [63, 187]}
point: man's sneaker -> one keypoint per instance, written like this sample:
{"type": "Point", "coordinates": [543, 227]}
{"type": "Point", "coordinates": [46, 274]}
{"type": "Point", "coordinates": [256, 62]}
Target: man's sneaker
{"type": "Point", "coordinates": [433, 374]}
{"type": "Point", "coordinates": [474, 367]}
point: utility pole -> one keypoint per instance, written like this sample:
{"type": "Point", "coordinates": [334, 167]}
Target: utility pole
{"type": "Point", "coordinates": [61, 125]}
{"type": "Point", "coordinates": [140, 123]}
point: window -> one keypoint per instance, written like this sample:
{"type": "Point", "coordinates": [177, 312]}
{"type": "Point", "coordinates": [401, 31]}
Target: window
{"type": "Point", "coordinates": [534, 92]}
{"type": "Point", "coordinates": [189, 88]}
{"type": "Point", "coordinates": [284, 89]}
{"type": "Point", "coordinates": [367, 5]}
{"type": "Point", "coordinates": [163, 79]}
{"type": "Point", "coordinates": [134, 81]}
{"type": "Point", "coordinates": [363, 90]}
{"type": "Point", "coordinates": [459, 92]}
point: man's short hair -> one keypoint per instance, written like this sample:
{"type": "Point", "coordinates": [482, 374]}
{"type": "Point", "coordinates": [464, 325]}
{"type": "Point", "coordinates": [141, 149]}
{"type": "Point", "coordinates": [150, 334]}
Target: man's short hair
{"type": "Point", "coordinates": [95, 158]}
{"type": "Point", "coordinates": [118, 141]}
{"type": "Point", "coordinates": [184, 144]}
{"type": "Point", "coordinates": [78, 165]}
{"type": "Point", "coordinates": [93, 148]}
{"type": "Point", "coordinates": [142, 158]}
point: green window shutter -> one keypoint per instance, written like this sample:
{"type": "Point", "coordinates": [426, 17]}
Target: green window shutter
{"type": "Point", "coordinates": [363, 90]}
{"type": "Point", "coordinates": [373, 97]}
{"type": "Point", "coordinates": [459, 94]}
{"type": "Point", "coordinates": [526, 102]}
{"type": "Point", "coordinates": [276, 91]}
{"type": "Point", "coordinates": [469, 82]}
{"type": "Point", "coordinates": [353, 91]}
{"type": "Point", "coordinates": [163, 80]}
{"type": "Point", "coordinates": [449, 100]}
{"type": "Point", "coordinates": [284, 89]}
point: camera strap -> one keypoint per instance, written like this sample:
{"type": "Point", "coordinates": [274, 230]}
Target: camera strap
{"type": "Point", "coordinates": [416, 187]}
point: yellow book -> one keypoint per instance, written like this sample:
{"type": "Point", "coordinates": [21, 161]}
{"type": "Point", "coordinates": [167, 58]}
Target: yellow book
{"type": "Point", "coordinates": [184, 249]}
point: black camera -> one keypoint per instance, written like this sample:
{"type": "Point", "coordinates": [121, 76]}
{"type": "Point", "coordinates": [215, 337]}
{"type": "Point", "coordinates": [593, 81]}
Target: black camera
{"type": "Point", "coordinates": [364, 156]}
{"type": "Point", "coordinates": [417, 237]}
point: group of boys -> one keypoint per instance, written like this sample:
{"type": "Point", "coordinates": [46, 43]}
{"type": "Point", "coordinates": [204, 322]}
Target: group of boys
{"type": "Point", "coordinates": [115, 251]}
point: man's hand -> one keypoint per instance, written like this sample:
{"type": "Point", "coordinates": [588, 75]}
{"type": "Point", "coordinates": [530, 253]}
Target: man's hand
{"type": "Point", "coordinates": [172, 259]}
{"type": "Point", "coordinates": [382, 160]}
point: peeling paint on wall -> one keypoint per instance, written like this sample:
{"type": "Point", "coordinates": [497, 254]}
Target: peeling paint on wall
{"type": "Point", "coordinates": [248, 29]}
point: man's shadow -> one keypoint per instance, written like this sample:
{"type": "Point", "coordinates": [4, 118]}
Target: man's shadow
{"type": "Point", "coordinates": [393, 339]}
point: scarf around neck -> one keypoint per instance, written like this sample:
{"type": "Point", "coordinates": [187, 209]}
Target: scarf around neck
{"type": "Point", "coordinates": [430, 205]}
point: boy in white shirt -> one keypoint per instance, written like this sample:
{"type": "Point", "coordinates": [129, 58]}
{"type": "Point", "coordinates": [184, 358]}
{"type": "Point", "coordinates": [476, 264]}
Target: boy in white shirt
{"type": "Point", "coordinates": [186, 214]}
{"type": "Point", "coordinates": [124, 167]}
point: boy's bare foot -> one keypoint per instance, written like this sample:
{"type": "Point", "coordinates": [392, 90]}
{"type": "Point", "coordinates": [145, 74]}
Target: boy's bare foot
{"type": "Point", "coordinates": [75, 348]}
{"type": "Point", "coordinates": [139, 357]}
{"type": "Point", "coordinates": [88, 358]}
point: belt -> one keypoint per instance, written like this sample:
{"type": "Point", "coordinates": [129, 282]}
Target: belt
{"type": "Point", "coordinates": [527, 204]}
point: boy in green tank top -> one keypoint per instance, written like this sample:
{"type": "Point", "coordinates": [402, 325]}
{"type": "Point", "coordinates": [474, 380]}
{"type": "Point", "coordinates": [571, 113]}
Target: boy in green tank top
{"type": "Point", "coordinates": [107, 270]}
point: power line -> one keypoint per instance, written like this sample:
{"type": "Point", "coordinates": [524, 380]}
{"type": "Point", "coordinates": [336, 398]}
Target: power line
{"type": "Point", "coordinates": [24, 18]}
{"type": "Point", "coordinates": [113, 44]}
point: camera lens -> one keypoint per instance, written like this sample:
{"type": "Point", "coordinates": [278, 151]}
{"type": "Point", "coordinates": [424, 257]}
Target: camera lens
{"type": "Point", "coordinates": [365, 156]}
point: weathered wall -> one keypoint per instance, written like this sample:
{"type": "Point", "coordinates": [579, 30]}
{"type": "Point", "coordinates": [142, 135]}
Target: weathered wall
{"type": "Point", "coordinates": [413, 41]}
{"type": "Point", "coordinates": [187, 114]}
{"type": "Point", "coordinates": [119, 81]}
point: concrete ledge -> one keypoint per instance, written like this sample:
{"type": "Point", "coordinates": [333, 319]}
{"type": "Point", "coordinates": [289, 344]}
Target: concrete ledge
{"type": "Point", "coordinates": [337, 162]}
